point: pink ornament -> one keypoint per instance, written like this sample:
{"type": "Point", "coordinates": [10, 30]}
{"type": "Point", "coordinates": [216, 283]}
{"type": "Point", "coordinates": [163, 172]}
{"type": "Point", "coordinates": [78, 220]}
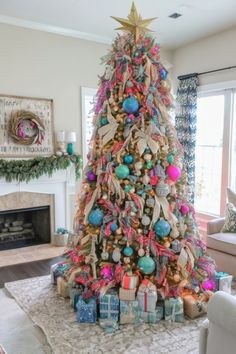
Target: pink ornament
{"type": "Point", "coordinates": [173, 172]}
{"type": "Point", "coordinates": [184, 209]}
{"type": "Point", "coordinates": [209, 284]}
{"type": "Point", "coordinates": [154, 180]}
{"type": "Point", "coordinates": [107, 273]}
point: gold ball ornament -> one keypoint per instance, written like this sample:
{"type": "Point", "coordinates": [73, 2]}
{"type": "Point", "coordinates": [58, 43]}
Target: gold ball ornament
{"type": "Point", "coordinates": [176, 278]}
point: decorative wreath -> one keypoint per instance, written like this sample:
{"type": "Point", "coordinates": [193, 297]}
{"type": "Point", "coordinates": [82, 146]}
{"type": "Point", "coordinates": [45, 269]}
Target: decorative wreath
{"type": "Point", "coordinates": [26, 128]}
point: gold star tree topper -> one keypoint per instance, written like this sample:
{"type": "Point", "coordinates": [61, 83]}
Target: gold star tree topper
{"type": "Point", "coordinates": [134, 24]}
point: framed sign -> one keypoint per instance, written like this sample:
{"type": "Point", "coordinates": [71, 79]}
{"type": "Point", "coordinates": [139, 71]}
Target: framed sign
{"type": "Point", "coordinates": [26, 126]}
{"type": "Point", "coordinates": [87, 104]}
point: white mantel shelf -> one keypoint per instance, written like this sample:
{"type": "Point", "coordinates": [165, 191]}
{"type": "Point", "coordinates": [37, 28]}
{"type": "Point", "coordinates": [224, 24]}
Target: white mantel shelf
{"type": "Point", "coordinates": [62, 184]}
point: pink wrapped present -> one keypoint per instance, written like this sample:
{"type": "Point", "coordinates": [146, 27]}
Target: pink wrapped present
{"type": "Point", "coordinates": [129, 281]}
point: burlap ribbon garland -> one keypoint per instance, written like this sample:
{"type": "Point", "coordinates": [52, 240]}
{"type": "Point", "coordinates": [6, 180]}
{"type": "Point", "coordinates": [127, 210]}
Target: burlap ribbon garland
{"type": "Point", "coordinates": [108, 131]}
{"type": "Point", "coordinates": [162, 203]}
{"type": "Point", "coordinates": [145, 139]}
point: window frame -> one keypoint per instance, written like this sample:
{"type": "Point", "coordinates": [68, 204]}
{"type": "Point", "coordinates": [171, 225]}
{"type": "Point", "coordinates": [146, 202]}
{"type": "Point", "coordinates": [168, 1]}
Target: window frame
{"type": "Point", "coordinates": [229, 91]}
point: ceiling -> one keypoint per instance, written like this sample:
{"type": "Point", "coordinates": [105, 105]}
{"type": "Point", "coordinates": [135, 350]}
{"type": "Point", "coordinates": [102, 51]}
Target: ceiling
{"type": "Point", "coordinates": [90, 19]}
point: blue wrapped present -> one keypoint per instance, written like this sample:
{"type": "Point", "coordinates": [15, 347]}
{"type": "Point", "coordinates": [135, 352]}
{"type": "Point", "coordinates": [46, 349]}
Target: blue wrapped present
{"type": "Point", "coordinates": [109, 306]}
{"type": "Point", "coordinates": [57, 270]}
{"type": "Point", "coordinates": [174, 310]}
{"type": "Point", "coordinates": [129, 311]}
{"type": "Point", "coordinates": [223, 281]}
{"type": "Point", "coordinates": [158, 315]}
{"type": "Point", "coordinates": [74, 292]}
{"type": "Point", "coordinates": [86, 310]}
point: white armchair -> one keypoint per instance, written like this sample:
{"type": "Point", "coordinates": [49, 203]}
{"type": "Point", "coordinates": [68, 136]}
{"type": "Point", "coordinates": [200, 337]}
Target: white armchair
{"type": "Point", "coordinates": [218, 332]}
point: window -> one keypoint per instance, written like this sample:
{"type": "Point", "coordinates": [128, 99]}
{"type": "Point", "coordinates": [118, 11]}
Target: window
{"type": "Point", "coordinates": [215, 150]}
{"type": "Point", "coordinates": [88, 99]}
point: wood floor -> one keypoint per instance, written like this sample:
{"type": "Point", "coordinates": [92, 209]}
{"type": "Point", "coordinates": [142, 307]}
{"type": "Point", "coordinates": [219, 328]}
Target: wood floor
{"type": "Point", "coordinates": [25, 270]}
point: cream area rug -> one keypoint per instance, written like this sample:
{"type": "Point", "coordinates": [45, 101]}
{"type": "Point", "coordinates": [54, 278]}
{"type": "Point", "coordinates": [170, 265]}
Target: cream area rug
{"type": "Point", "coordinates": [56, 318]}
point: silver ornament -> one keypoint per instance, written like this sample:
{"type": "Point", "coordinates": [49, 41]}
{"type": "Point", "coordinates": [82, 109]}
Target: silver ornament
{"type": "Point", "coordinates": [150, 202]}
{"type": "Point", "coordinates": [141, 252]}
{"type": "Point", "coordinates": [147, 157]}
{"type": "Point", "coordinates": [105, 255]}
{"type": "Point", "coordinates": [145, 220]}
{"type": "Point", "coordinates": [116, 255]}
{"type": "Point", "coordinates": [162, 189]}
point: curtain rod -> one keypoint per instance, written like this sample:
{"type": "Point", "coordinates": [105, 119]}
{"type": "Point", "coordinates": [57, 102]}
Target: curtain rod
{"type": "Point", "coordinates": [187, 76]}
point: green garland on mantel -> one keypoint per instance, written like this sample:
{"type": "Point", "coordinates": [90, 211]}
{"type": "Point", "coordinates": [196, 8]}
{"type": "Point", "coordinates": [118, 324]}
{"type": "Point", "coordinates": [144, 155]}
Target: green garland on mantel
{"type": "Point", "coordinates": [26, 170]}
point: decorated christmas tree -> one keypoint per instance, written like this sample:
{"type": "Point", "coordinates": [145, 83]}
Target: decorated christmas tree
{"type": "Point", "coordinates": [133, 220]}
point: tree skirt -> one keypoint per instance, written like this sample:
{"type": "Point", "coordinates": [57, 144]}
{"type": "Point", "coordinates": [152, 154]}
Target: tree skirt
{"type": "Point", "coordinates": [56, 318]}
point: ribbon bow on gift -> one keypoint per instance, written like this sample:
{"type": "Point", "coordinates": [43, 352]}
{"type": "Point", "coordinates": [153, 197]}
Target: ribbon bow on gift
{"type": "Point", "coordinates": [145, 139]}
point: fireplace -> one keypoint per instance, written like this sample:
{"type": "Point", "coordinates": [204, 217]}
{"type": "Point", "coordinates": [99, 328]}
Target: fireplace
{"type": "Point", "coordinates": [26, 219]}
{"type": "Point", "coordinates": [24, 227]}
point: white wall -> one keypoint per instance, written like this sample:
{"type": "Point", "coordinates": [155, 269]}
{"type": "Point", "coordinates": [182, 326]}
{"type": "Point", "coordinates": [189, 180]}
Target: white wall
{"type": "Point", "coordinates": [39, 64]}
{"type": "Point", "coordinates": [210, 53]}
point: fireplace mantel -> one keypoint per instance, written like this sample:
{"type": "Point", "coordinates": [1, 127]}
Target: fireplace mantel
{"type": "Point", "coordinates": [62, 184]}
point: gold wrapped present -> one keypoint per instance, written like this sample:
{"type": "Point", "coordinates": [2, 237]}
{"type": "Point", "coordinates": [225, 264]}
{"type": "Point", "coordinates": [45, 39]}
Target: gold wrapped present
{"type": "Point", "coordinates": [127, 294]}
{"type": "Point", "coordinates": [194, 307]}
{"type": "Point", "coordinates": [62, 287]}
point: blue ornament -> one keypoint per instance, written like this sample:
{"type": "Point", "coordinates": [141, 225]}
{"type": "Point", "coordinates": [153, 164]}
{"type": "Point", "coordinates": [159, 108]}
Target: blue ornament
{"type": "Point", "coordinates": [103, 121]}
{"type": "Point", "coordinates": [128, 159]}
{"type": "Point", "coordinates": [122, 171]}
{"type": "Point", "coordinates": [128, 120]}
{"type": "Point", "coordinates": [113, 227]}
{"type": "Point", "coordinates": [95, 217]}
{"type": "Point", "coordinates": [146, 264]}
{"type": "Point", "coordinates": [128, 251]}
{"type": "Point", "coordinates": [130, 105]}
{"type": "Point", "coordinates": [163, 73]}
{"type": "Point", "coordinates": [162, 228]}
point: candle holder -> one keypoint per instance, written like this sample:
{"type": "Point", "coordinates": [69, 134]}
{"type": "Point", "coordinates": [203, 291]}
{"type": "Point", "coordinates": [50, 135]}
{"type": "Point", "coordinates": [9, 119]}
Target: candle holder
{"type": "Point", "coordinates": [61, 142]}
{"type": "Point", "coordinates": [71, 139]}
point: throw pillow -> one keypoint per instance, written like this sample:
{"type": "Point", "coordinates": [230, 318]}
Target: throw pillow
{"type": "Point", "coordinates": [231, 196]}
{"type": "Point", "coordinates": [230, 219]}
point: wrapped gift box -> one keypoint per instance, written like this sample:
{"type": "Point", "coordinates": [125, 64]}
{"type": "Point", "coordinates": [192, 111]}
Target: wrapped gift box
{"type": "Point", "coordinates": [194, 307]}
{"type": "Point", "coordinates": [128, 312]}
{"type": "Point", "coordinates": [174, 311]}
{"type": "Point", "coordinates": [86, 310]}
{"type": "Point", "coordinates": [62, 287]}
{"type": "Point", "coordinates": [127, 294]}
{"type": "Point", "coordinates": [143, 317]}
{"type": "Point", "coordinates": [74, 293]}
{"type": "Point", "coordinates": [129, 281]}
{"type": "Point", "coordinates": [109, 306]}
{"type": "Point", "coordinates": [147, 296]}
{"type": "Point", "coordinates": [223, 281]}
{"type": "Point", "coordinates": [57, 270]}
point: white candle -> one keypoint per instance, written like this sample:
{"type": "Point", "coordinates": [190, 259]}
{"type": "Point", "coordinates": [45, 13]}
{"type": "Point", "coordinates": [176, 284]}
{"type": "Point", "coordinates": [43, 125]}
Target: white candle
{"type": "Point", "coordinates": [61, 136]}
{"type": "Point", "coordinates": [71, 137]}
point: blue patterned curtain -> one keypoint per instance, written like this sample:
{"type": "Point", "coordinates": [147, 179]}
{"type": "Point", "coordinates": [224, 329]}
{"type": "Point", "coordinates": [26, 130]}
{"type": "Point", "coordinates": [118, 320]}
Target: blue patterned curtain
{"type": "Point", "coordinates": [185, 122]}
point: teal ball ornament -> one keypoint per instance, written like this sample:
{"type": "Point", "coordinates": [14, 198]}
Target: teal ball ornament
{"type": "Point", "coordinates": [122, 171]}
{"type": "Point", "coordinates": [128, 159]}
{"type": "Point", "coordinates": [103, 121]}
{"type": "Point", "coordinates": [170, 159]}
{"type": "Point", "coordinates": [130, 105]}
{"type": "Point", "coordinates": [161, 228]}
{"type": "Point", "coordinates": [146, 264]}
{"type": "Point", "coordinates": [95, 217]}
{"type": "Point", "coordinates": [128, 251]}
